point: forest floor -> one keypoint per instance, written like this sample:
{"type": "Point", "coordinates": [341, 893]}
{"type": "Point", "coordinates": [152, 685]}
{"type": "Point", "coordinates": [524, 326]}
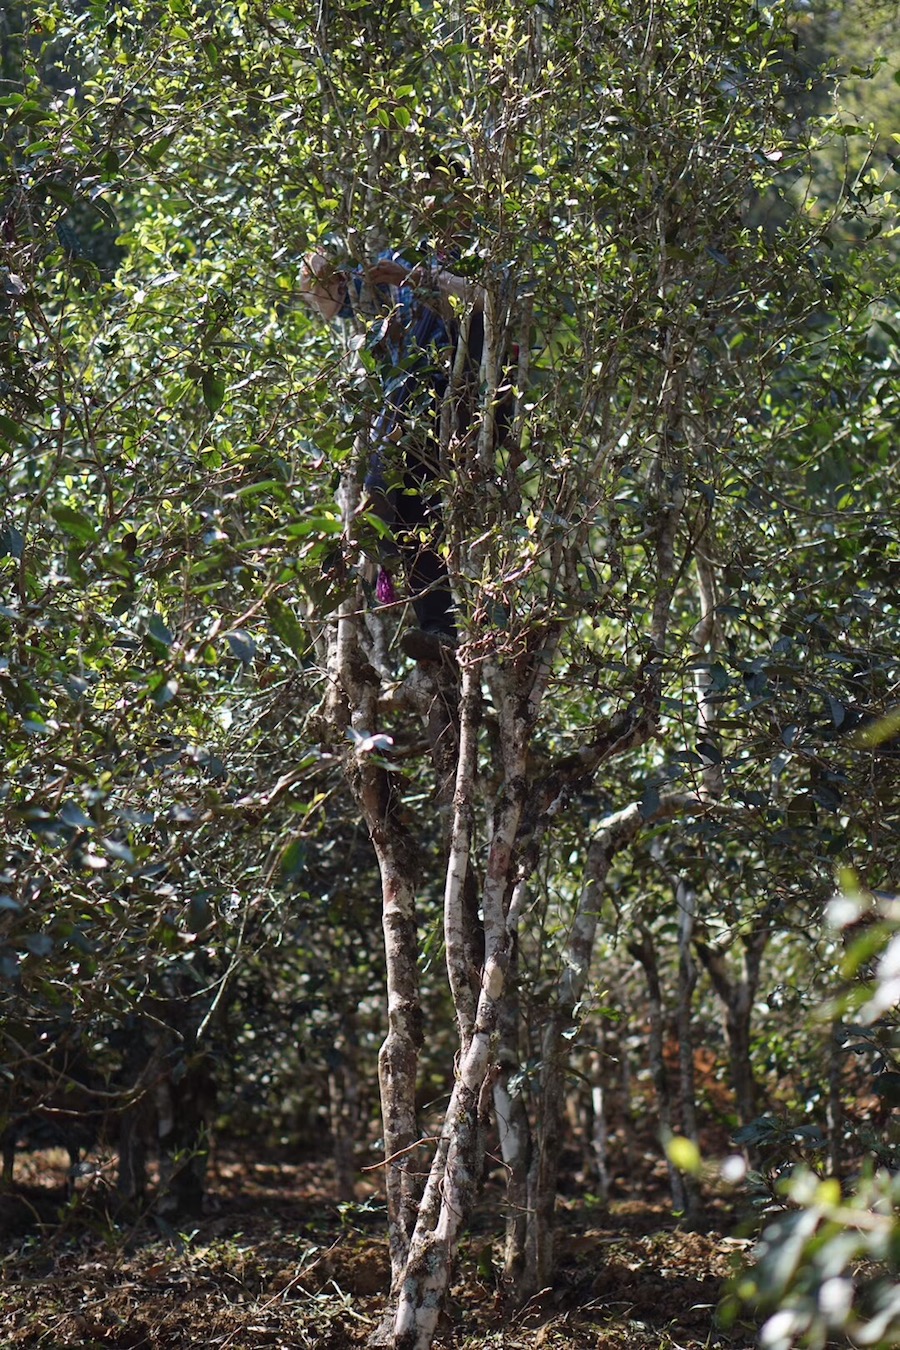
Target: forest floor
{"type": "Point", "coordinates": [276, 1262]}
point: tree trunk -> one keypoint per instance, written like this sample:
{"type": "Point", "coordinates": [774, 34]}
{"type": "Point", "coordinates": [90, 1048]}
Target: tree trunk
{"type": "Point", "coordinates": [537, 1271]}
{"type": "Point", "coordinates": [544, 1170]}
{"type": "Point", "coordinates": [456, 1168]}
{"type": "Point", "coordinates": [687, 980]}
{"type": "Point", "coordinates": [457, 1164]}
{"type": "Point", "coordinates": [736, 994]}
{"type": "Point", "coordinates": [644, 951]}
{"type": "Point", "coordinates": [835, 1107]}
{"type": "Point", "coordinates": [737, 1029]}
{"type": "Point", "coordinates": [618, 831]}
{"type": "Point", "coordinates": [355, 713]}
{"type": "Point", "coordinates": [398, 1059]}
{"type": "Point", "coordinates": [599, 1129]}
{"type": "Point", "coordinates": [513, 1129]}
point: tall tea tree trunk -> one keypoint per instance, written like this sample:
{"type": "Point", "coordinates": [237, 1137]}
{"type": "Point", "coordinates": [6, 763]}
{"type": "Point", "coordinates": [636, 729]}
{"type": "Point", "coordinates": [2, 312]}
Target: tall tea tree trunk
{"type": "Point", "coordinates": [355, 686]}
{"type": "Point", "coordinates": [517, 688]}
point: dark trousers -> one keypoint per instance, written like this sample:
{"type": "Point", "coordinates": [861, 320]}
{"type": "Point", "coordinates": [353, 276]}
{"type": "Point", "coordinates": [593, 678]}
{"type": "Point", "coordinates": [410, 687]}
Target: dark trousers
{"type": "Point", "coordinates": [403, 496]}
{"type": "Point", "coordinates": [403, 470]}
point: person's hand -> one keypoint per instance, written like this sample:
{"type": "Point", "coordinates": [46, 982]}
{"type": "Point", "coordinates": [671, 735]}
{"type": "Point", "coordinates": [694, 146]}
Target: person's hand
{"type": "Point", "coordinates": [322, 286]}
{"type": "Point", "coordinates": [318, 266]}
{"type": "Point", "coordinates": [389, 272]}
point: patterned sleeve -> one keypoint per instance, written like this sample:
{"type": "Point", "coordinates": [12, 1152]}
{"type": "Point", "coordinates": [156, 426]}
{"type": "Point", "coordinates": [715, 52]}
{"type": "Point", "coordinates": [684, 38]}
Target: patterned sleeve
{"type": "Point", "coordinates": [354, 286]}
{"type": "Point", "coordinates": [367, 303]}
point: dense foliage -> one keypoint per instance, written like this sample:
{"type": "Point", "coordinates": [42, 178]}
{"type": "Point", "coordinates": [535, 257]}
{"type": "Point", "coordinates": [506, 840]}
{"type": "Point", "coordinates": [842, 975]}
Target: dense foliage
{"type": "Point", "coordinates": [606, 833]}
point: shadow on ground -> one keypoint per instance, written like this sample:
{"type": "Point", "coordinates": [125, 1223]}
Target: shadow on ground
{"type": "Point", "coordinates": [276, 1262]}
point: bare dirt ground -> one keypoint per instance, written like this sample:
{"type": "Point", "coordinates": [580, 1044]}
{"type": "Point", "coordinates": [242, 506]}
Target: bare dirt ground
{"type": "Point", "coordinates": [276, 1262]}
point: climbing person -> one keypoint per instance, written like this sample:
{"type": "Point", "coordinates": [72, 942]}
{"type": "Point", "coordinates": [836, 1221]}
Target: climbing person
{"type": "Point", "coordinates": [413, 343]}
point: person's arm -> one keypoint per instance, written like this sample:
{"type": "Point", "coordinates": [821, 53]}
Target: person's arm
{"type": "Point", "coordinates": [461, 288]}
{"type": "Point", "coordinates": [391, 272]}
{"type": "Point", "coordinates": [322, 286]}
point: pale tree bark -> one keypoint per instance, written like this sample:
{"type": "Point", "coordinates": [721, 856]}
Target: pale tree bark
{"type": "Point", "coordinates": [399, 1054]}
{"type": "Point", "coordinates": [460, 922]}
{"type": "Point", "coordinates": [513, 1130]}
{"type": "Point", "coordinates": [517, 688]}
{"type": "Point", "coordinates": [354, 710]}
{"type": "Point", "coordinates": [599, 1126]}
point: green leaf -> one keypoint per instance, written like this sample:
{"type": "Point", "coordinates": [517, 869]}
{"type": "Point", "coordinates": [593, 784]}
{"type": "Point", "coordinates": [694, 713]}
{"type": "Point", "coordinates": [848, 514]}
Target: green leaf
{"type": "Point", "coordinates": [116, 849]}
{"type": "Point", "coordinates": [12, 430]}
{"type": "Point", "coordinates": [213, 386]}
{"type": "Point", "coordinates": [75, 523]}
{"type": "Point", "coordinates": [293, 860]}
{"type": "Point", "coordinates": [286, 628]}
{"type": "Point", "coordinates": [156, 151]}
{"type": "Point", "coordinates": [157, 629]}
{"type": "Point", "coordinates": [71, 814]}
{"type": "Point", "coordinates": [12, 542]}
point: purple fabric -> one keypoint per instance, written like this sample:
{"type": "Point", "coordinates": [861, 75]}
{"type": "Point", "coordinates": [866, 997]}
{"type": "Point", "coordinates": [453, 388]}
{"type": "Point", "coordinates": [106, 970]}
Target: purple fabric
{"type": "Point", "coordinates": [384, 588]}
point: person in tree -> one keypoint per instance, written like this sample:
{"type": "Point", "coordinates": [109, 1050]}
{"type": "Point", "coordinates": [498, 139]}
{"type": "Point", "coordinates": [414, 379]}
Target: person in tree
{"type": "Point", "coordinates": [414, 344]}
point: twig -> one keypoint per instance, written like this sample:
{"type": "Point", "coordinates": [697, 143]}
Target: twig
{"type": "Point", "coordinates": [386, 1162]}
